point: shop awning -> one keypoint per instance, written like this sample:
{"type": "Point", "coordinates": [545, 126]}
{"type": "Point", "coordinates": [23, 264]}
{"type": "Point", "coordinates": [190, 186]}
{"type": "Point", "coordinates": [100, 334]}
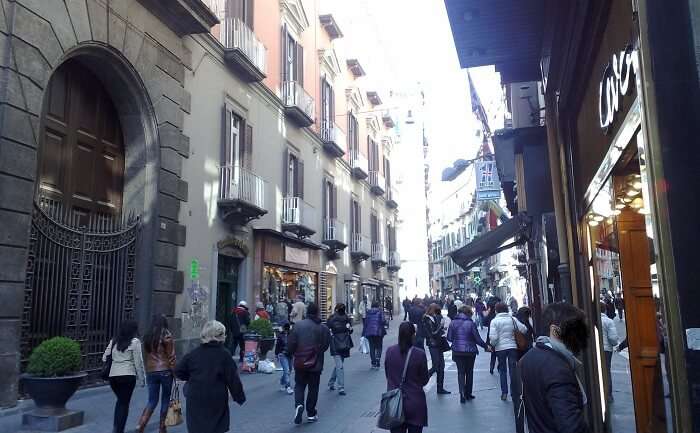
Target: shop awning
{"type": "Point", "coordinates": [370, 282]}
{"type": "Point", "coordinates": [492, 242]}
{"type": "Point", "coordinates": [291, 239]}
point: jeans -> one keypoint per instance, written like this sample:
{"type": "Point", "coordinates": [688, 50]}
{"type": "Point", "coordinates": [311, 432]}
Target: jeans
{"type": "Point", "coordinates": [465, 372]}
{"type": "Point", "coordinates": [507, 362]}
{"type": "Point", "coordinates": [285, 363]}
{"type": "Point", "coordinates": [375, 349]}
{"type": "Point", "coordinates": [408, 428]}
{"type": "Point", "coordinates": [405, 314]}
{"type": "Point", "coordinates": [492, 363]}
{"type": "Point", "coordinates": [302, 379]}
{"type": "Point", "coordinates": [438, 360]}
{"type": "Point", "coordinates": [338, 376]}
{"type": "Point", "coordinates": [123, 387]}
{"type": "Point", "coordinates": [608, 373]}
{"type": "Point", "coordinates": [159, 382]}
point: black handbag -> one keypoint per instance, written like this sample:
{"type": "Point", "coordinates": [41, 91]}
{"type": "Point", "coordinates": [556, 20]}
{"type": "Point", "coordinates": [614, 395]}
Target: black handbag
{"type": "Point", "coordinates": [444, 344]}
{"type": "Point", "coordinates": [391, 413]}
{"type": "Point", "coordinates": [107, 366]}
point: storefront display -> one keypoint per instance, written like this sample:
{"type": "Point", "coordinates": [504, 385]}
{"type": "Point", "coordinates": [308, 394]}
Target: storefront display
{"type": "Point", "coordinates": [281, 284]}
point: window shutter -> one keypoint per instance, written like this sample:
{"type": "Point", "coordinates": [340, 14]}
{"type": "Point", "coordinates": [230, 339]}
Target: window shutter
{"type": "Point", "coordinates": [283, 50]}
{"type": "Point", "coordinates": [325, 193]}
{"type": "Point", "coordinates": [300, 178]}
{"type": "Point", "coordinates": [250, 13]}
{"type": "Point", "coordinates": [248, 153]}
{"type": "Point", "coordinates": [331, 102]}
{"type": "Point", "coordinates": [334, 201]}
{"type": "Point", "coordinates": [285, 173]}
{"type": "Point", "coordinates": [359, 218]}
{"type": "Point", "coordinates": [226, 136]}
{"type": "Point", "coordinates": [323, 103]}
{"type": "Point", "coordinates": [300, 64]}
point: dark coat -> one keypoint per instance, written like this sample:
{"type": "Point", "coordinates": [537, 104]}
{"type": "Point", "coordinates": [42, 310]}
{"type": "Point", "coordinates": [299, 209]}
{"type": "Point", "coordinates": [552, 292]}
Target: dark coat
{"type": "Point", "coordinates": [374, 323]}
{"type": "Point", "coordinates": [340, 334]}
{"type": "Point", "coordinates": [464, 336]}
{"type": "Point", "coordinates": [310, 332]}
{"type": "Point", "coordinates": [451, 310]}
{"type": "Point", "coordinates": [281, 342]}
{"type": "Point", "coordinates": [553, 399]}
{"type": "Point", "coordinates": [433, 330]}
{"type": "Point", "coordinates": [414, 403]}
{"type": "Point", "coordinates": [415, 316]}
{"type": "Point", "coordinates": [211, 374]}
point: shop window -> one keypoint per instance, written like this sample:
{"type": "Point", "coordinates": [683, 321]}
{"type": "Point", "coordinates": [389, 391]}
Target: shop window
{"type": "Point", "coordinates": [283, 285]}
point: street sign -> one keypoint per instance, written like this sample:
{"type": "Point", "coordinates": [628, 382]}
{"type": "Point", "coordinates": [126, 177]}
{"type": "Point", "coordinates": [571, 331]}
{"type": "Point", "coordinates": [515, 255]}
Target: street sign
{"type": "Point", "coordinates": [194, 269]}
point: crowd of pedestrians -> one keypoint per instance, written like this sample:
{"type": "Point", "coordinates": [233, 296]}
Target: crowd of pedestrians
{"type": "Point", "coordinates": [538, 373]}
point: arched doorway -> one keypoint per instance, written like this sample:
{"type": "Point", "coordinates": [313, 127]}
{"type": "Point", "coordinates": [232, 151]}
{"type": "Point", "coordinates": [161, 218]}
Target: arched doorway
{"type": "Point", "coordinates": [82, 251]}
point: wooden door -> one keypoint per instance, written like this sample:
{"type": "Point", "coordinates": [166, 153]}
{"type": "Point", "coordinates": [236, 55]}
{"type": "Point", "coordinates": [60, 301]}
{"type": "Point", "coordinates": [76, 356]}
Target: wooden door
{"type": "Point", "coordinates": [81, 161]}
{"type": "Point", "coordinates": [641, 319]}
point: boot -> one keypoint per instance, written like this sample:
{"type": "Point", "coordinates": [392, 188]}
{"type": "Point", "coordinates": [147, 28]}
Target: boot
{"type": "Point", "coordinates": [161, 427]}
{"type": "Point", "coordinates": [145, 416]}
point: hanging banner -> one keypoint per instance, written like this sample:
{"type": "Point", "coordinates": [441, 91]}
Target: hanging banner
{"type": "Point", "coordinates": [488, 187]}
{"type": "Point", "coordinates": [296, 255]}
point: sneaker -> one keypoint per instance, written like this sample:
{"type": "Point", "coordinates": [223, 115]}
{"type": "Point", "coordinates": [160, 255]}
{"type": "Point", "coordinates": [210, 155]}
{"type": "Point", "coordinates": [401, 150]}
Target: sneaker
{"type": "Point", "coordinates": [290, 390]}
{"type": "Point", "coordinates": [312, 418]}
{"type": "Point", "coordinates": [298, 414]}
{"type": "Point", "coordinates": [283, 388]}
{"type": "Point", "coordinates": [341, 391]}
{"type": "Point", "coordinates": [443, 392]}
{"type": "Point", "coordinates": [331, 387]}
{"type": "Point", "coordinates": [504, 397]}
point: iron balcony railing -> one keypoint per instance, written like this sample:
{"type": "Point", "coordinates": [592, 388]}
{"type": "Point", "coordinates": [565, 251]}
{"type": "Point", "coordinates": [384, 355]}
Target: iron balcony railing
{"type": "Point", "coordinates": [394, 260]}
{"type": "Point", "coordinates": [296, 211]}
{"type": "Point", "coordinates": [238, 183]}
{"type": "Point", "coordinates": [331, 133]}
{"type": "Point", "coordinates": [235, 34]}
{"type": "Point", "coordinates": [359, 161]}
{"type": "Point", "coordinates": [377, 180]}
{"type": "Point", "coordinates": [392, 196]}
{"type": "Point", "coordinates": [360, 244]}
{"type": "Point", "coordinates": [378, 252]}
{"type": "Point", "coordinates": [334, 230]}
{"type": "Point", "coordinates": [294, 95]}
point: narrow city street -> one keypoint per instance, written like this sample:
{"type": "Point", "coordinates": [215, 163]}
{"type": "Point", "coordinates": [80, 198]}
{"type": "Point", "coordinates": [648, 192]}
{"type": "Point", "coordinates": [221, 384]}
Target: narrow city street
{"type": "Point", "coordinates": [269, 410]}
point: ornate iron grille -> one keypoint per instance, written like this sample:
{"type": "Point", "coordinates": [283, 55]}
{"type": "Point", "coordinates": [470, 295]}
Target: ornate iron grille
{"type": "Point", "coordinates": [80, 279]}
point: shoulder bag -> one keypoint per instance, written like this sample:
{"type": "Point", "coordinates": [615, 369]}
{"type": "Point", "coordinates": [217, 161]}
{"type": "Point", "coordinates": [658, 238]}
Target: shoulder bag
{"type": "Point", "coordinates": [107, 366]}
{"type": "Point", "coordinates": [174, 415]}
{"type": "Point", "coordinates": [520, 338]}
{"type": "Point", "coordinates": [391, 413]}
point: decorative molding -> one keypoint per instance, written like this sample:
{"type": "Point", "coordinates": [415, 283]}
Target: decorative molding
{"type": "Point", "coordinates": [235, 243]}
{"type": "Point", "coordinates": [355, 98]}
{"type": "Point", "coordinates": [184, 17]}
{"type": "Point", "coordinates": [294, 14]}
{"type": "Point", "coordinates": [330, 63]}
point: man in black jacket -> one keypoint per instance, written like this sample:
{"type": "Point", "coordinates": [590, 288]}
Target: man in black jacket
{"type": "Point", "coordinates": [553, 396]}
{"type": "Point", "coordinates": [307, 342]}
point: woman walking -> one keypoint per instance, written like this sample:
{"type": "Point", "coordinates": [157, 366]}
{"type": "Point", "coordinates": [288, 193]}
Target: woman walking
{"type": "Point", "coordinates": [374, 332]}
{"type": "Point", "coordinates": [414, 404]}
{"type": "Point", "coordinates": [341, 343]}
{"type": "Point", "coordinates": [464, 337]}
{"type": "Point", "coordinates": [126, 371]}
{"type": "Point", "coordinates": [434, 330]}
{"type": "Point", "coordinates": [502, 339]}
{"type": "Point", "coordinates": [211, 375]}
{"type": "Point", "coordinates": [523, 316]}
{"type": "Point", "coordinates": [159, 352]}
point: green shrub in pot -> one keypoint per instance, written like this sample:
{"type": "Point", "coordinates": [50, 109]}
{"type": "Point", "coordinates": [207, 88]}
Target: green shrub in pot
{"type": "Point", "coordinates": [262, 327]}
{"type": "Point", "coordinates": [57, 356]}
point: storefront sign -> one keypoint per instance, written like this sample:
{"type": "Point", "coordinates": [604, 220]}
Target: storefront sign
{"type": "Point", "coordinates": [488, 187]}
{"type": "Point", "coordinates": [296, 255]}
{"type": "Point", "coordinates": [194, 269]}
{"type": "Point", "coordinates": [615, 84]}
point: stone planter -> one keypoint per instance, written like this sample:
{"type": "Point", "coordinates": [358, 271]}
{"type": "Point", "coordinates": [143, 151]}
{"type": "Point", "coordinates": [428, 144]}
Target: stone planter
{"type": "Point", "coordinates": [50, 395]}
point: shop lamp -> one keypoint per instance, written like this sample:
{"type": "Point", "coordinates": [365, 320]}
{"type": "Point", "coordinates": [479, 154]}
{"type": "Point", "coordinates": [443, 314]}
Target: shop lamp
{"type": "Point", "coordinates": [637, 203]}
{"type": "Point", "coordinates": [637, 185]}
{"type": "Point", "coordinates": [617, 212]}
{"type": "Point", "coordinates": [627, 199]}
{"type": "Point", "coordinates": [643, 211]}
{"type": "Point", "coordinates": [620, 206]}
{"type": "Point", "coordinates": [598, 218]}
{"type": "Point", "coordinates": [609, 221]}
{"type": "Point", "coordinates": [632, 193]}
{"type": "Point", "coordinates": [593, 223]}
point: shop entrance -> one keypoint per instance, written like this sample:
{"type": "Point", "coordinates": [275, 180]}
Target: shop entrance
{"type": "Point", "coordinates": [227, 287]}
{"type": "Point", "coordinates": [281, 284]}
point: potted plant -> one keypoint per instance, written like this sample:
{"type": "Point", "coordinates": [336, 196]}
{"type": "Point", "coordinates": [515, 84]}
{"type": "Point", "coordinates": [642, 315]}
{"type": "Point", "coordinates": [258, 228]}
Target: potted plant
{"type": "Point", "coordinates": [263, 327]}
{"type": "Point", "coordinates": [53, 374]}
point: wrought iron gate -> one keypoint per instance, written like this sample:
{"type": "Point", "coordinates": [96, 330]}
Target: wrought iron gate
{"type": "Point", "coordinates": [80, 279]}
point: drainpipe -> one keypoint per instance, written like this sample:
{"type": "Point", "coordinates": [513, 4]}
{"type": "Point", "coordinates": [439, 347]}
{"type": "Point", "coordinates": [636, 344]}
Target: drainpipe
{"type": "Point", "coordinates": [558, 198]}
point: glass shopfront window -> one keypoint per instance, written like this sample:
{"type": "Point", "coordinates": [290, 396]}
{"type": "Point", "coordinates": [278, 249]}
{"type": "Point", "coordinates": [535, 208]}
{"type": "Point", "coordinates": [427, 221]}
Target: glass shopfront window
{"type": "Point", "coordinates": [284, 284]}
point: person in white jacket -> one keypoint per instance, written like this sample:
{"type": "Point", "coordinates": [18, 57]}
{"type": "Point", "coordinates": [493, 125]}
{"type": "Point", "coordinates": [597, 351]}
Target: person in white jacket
{"type": "Point", "coordinates": [610, 340]}
{"type": "Point", "coordinates": [502, 339]}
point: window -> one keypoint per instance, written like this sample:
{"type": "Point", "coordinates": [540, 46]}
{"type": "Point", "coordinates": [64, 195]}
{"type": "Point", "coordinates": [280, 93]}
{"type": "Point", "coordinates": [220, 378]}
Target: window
{"type": "Point", "coordinates": [353, 133]}
{"type": "Point", "coordinates": [238, 140]}
{"type": "Point", "coordinates": [294, 176]}
{"type": "Point", "coordinates": [327, 105]}
{"type": "Point", "coordinates": [373, 154]}
{"type": "Point", "coordinates": [330, 199]}
{"type": "Point", "coordinates": [293, 55]}
{"type": "Point", "coordinates": [355, 216]}
{"type": "Point", "coordinates": [241, 9]}
{"type": "Point", "coordinates": [387, 171]}
{"type": "Point", "coordinates": [374, 228]}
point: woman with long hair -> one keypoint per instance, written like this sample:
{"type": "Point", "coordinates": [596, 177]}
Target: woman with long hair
{"type": "Point", "coordinates": [341, 343]}
{"type": "Point", "coordinates": [160, 363]}
{"type": "Point", "coordinates": [414, 404]}
{"type": "Point", "coordinates": [434, 330]}
{"type": "Point", "coordinates": [465, 338]}
{"type": "Point", "coordinates": [126, 371]}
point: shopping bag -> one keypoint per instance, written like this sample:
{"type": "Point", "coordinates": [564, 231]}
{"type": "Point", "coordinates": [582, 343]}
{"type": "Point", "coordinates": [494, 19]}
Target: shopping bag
{"type": "Point", "coordinates": [174, 415]}
{"type": "Point", "coordinates": [265, 366]}
{"type": "Point", "coordinates": [364, 345]}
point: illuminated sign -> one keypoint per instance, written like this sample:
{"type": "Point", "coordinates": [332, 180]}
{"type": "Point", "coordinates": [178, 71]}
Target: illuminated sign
{"type": "Point", "coordinates": [615, 84]}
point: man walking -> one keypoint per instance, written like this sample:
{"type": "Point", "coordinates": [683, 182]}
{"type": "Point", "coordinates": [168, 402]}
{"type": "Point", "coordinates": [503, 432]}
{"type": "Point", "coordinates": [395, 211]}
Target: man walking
{"type": "Point", "coordinates": [406, 305]}
{"type": "Point", "coordinates": [610, 340]}
{"type": "Point", "coordinates": [307, 344]}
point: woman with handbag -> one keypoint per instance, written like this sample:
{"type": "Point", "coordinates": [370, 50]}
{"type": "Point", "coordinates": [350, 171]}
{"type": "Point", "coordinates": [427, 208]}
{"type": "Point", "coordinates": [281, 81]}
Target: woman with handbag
{"type": "Point", "coordinates": [125, 364]}
{"type": "Point", "coordinates": [211, 375]}
{"type": "Point", "coordinates": [341, 343]}
{"type": "Point", "coordinates": [504, 339]}
{"type": "Point", "coordinates": [465, 338]}
{"type": "Point", "coordinates": [437, 344]}
{"type": "Point", "coordinates": [406, 357]}
{"type": "Point", "coordinates": [159, 352]}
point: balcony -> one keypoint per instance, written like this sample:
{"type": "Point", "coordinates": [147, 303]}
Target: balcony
{"type": "Point", "coordinates": [392, 197]}
{"type": "Point", "coordinates": [359, 164]}
{"type": "Point", "coordinates": [243, 52]}
{"type": "Point", "coordinates": [379, 258]}
{"type": "Point", "coordinates": [394, 261]}
{"type": "Point", "coordinates": [241, 195]}
{"type": "Point", "coordinates": [184, 17]}
{"type": "Point", "coordinates": [298, 105]}
{"type": "Point", "coordinates": [377, 183]}
{"type": "Point", "coordinates": [334, 235]}
{"type": "Point", "coordinates": [298, 217]}
{"type": "Point", "coordinates": [360, 248]}
{"type": "Point", "coordinates": [334, 139]}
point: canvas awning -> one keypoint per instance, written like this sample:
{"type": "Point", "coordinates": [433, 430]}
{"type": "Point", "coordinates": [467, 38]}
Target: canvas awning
{"type": "Point", "coordinates": [492, 242]}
